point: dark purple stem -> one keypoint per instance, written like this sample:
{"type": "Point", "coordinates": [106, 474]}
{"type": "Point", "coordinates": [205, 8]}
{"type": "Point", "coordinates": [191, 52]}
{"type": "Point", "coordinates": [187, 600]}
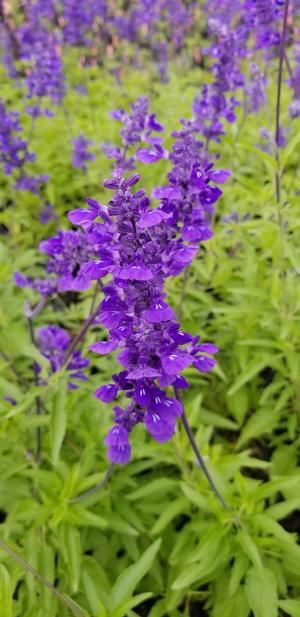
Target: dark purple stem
{"type": "Point", "coordinates": [198, 454]}
{"type": "Point", "coordinates": [95, 488]}
{"type": "Point", "coordinates": [279, 87]}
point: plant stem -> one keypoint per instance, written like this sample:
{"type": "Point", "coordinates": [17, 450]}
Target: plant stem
{"type": "Point", "coordinates": [76, 610]}
{"type": "Point", "coordinates": [280, 221]}
{"type": "Point", "coordinates": [198, 454]}
{"type": "Point", "coordinates": [95, 488]}
{"type": "Point", "coordinates": [278, 99]}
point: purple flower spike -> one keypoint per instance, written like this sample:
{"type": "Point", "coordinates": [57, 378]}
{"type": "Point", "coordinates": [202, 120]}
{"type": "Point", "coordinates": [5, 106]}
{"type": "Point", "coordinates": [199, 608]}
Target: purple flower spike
{"type": "Point", "coordinates": [53, 343]}
{"type": "Point", "coordinates": [145, 247]}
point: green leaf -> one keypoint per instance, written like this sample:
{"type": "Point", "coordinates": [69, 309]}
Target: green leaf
{"type": "Point", "coordinates": [27, 401]}
{"type": "Point", "coordinates": [131, 576]}
{"type": "Point", "coordinates": [81, 516]}
{"type": "Point", "coordinates": [96, 585]}
{"type": "Point", "coordinates": [235, 606]}
{"type": "Point", "coordinates": [254, 367]}
{"type": "Point", "coordinates": [212, 562]}
{"type": "Point", "coordinates": [238, 571]}
{"type": "Point", "coordinates": [195, 497]}
{"type": "Point", "coordinates": [291, 607]}
{"type": "Point", "coordinates": [70, 538]}
{"type": "Point", "coordinates": [172, 510]}
{"type": "Point", "coordinates": [209, 545]}
{"type": "Point", "coordinates": [6, 593]}
{"type": "Point", "coordinates": [258, 424]}
{"type": "Point", "coordinates": [249, 548]}
{"type": "Point", "coordinates": [160, 484]}
{"type": "Point", "coordinates": [122, 609]}
{"type": "Point", "coordinates": [58, 419]}
{"type": "Point", "coordinates": [289, 149]}
{"type": "Point", "coordinates": [261, 592]}
{"type": "Point", "coordinates": [284, 508]}
{"type": "Point", "coordinates": [47, 568]}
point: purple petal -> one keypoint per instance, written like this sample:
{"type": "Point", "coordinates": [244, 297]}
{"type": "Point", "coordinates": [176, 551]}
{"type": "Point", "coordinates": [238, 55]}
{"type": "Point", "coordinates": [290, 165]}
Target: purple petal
{"type": "Point", "coordinates": [150, 155]}
{"type": "Point", "coordinates": [180, 383]}
{"type": "Point", "coordinates": [166, 192]}
{"type": "Point", "coordinates": [180, 338]}
{"type": "Point", "coordinates": [209, 348]}
{"type": "Point", "coordinates": [210, 195]}
{"type": "Point", "coordinates": [132, 180]}
{"type": "Point", "coordinates": [134, 272]}
{"type": "Point", "coordinates": [153, 124]}
{"type": "Point", "coordinates": [107, 393]}
{"type": "Point", "coordinates": [82, 217]}
{"type": "Point", "coordinates": [169, 408]}
{"type": "Point", "coordinates": [175, 362]}
{"type": "Point", "coordinates": [204, 364]}
{"type": "Point", "coordinates": [94, 270]}
{"type": "Point", "coordinates": [119, 454]}
{"type": "Point", "coordinates": [197, 177]}
{"type": "Point", "coordinates": [116, 436]}
{"type": "Point", "coordinates": [142, 394]}
{"type": "Point", "coordinates": [103, 347]}
{"type": "Point", "coordinates": [158, 312]}
{"type": "Point", "coordinates": [195, 233]}
{"type": "Point", "coordinates": [151, 218]}
{"type": "Point", "coordinates": [220, 176]}
{"type": "Point", "coordinates": [20, 280]}
{"type": "Point", "coordinates": [158, 427]}
{"type": "Point", "coordinates": [80, 283]}
{"type": "Point", "coordinates": [186, 254]}
{"type": "Point", "coordinates": [141, 372]}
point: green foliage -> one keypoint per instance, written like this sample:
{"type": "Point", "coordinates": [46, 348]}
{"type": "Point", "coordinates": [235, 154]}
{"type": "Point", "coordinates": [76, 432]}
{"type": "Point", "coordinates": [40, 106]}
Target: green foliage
{"type": "Point", "coordinates": [155, 541]}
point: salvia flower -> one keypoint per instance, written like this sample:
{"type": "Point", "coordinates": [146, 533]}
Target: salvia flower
{"type": "Point", "coordinates": [138, 126]}
{"type": "Point", "coordinates": [190, 197]}
{"type": "Point", "coordinates": [53, 343]}
{"type": "Point", "coordinates": [141, 324]}
{"type": "Point", "coordinates": [67, 268]}
{"type": "Point", "coordinates": [81, 154]}
{"type": "Point", "coordinates": [13, 149]}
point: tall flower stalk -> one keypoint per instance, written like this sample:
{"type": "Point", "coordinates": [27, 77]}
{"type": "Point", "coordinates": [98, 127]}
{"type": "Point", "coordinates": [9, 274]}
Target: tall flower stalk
{"type": "Point", "coordinates": [278, 172]}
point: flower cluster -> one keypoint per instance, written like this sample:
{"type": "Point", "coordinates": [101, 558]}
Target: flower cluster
{"type": "Point", "coordinates": [81, 153]}
{"type": "Point", "coordinates": [46, 76]}
{"type": "Point", "coordinates": [138, 126]}
{"type": "Point", "coordinates": [54, 343]}
{"type": "Point", "coordinates": [79, 18]}
{"type": "Point", "coordinates": [140, 255]}
{"type": "Point", "coordinates": [190, 196]}
{"type": "Point", "coordinates": [13, 149]}
{"type": "Point", "coordinates": [68, 266]}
